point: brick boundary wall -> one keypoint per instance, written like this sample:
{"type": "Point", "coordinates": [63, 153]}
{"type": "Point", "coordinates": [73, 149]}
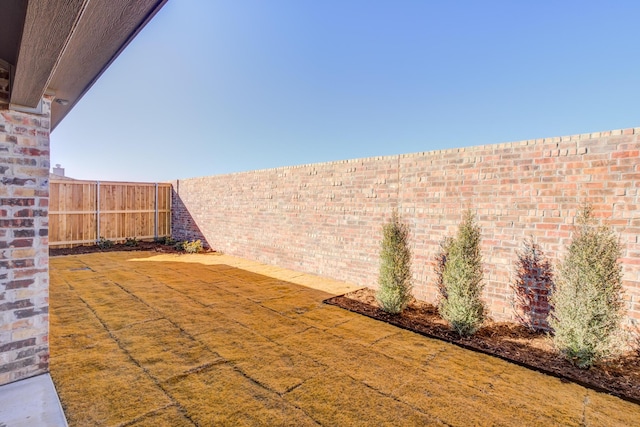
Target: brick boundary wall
{"type": "Point", "coordinates": [183, 226]}
{"type": "Point", "coordinates": [327, 218]}
{"type": "Point", "coordinates": [24, 256]}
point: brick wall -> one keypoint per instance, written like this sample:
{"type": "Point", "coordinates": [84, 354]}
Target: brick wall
{"type": "Point", "coordinates": [24, 271]}
{"type": "Point", "coordinates": [327, 218]}
{"type": "Point", "coordinates": [183, 226]}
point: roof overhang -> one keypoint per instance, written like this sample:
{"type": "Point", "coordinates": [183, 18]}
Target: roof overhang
{"type": "Point", "coordinates": [64, 46]}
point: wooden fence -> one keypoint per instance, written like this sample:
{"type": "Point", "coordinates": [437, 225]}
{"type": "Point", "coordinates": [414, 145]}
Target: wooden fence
{"type": "Point", "coordinates": [80, 212]}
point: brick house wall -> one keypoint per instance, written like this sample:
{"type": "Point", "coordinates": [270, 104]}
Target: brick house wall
{"type": "Point", "coordinates": [326, 218]}
{"type": "Point", "coordinates": [24, 259]}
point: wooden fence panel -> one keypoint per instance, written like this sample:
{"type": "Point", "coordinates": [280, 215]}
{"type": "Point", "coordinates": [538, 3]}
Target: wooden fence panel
{"type": "Point", "coordinates": [72, 217]}
{"type": "Point", "coordinates": [80, 212]}
{"type": "Point", "coordinates": [164, 210]}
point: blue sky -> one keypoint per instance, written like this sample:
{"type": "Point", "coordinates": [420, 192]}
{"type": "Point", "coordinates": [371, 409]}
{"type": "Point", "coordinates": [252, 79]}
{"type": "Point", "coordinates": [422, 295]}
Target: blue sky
{"type": "Point", "coordinates": [212, 87]}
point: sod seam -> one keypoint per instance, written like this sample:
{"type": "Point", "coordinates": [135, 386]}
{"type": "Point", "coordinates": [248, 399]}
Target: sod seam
{"type": "Point", "coordinates": [135, 362]}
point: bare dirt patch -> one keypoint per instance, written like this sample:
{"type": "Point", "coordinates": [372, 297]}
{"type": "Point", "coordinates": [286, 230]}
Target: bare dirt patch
{"type": "Point", "coordinates": [509, 341]}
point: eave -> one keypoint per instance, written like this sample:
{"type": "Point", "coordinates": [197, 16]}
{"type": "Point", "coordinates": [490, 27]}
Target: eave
{"type": "Point", "coordinates": [64, 46]}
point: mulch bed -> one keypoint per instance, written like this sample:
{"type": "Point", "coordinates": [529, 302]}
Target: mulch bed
{"type": "Point", "coordinates": [508, 341]}
{"type": "Point", "coordinates": [119, 247]}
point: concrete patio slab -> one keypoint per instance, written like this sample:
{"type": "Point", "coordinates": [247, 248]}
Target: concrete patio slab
{"type": "Point", "coordinates": [139, 339]}
{"type": "Point", "coordinates": [31, 402]}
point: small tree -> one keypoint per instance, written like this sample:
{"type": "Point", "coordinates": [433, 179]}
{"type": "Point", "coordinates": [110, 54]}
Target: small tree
{"type": "Point", "coordinates": [587, 302]}
{"type": "Point", "coordinates": [532, 286]}
{"type": "Point", "coordinates": [460, 304]}
{"type": "Point", "coordinates": [394, 293]}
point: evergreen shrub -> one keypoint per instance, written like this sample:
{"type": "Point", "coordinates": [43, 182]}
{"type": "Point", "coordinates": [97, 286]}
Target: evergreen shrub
{"type": "Point", "coordinates": [587, 301]}
{"type": "Point", "coordinates": [395, 281]}
{"type": "Point", "coordinates": [462, 279]}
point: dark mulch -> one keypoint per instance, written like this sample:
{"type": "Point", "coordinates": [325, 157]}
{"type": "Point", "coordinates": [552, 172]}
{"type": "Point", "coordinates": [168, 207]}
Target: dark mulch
{"type": "Point", "coordinates": [141, 246]}
{"type": "Point", "coordinates": [508, 341]}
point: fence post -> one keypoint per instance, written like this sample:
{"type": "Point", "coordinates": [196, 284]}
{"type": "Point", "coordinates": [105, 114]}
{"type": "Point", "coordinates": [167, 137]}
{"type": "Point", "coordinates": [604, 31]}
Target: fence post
{"type": "Point", "coordinates": [97, 211]}
{"type": "Point", "coordinates": [155, 228]}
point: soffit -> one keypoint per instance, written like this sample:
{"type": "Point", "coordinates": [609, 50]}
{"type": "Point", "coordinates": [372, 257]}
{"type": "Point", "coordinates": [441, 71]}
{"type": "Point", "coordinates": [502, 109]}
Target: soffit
{"type": "Point", "coordinates": [106, 28]}
{"type": "Point", "coordinates": [48, 26]}
{"type": "Point", "coordinates": [65, 45]}
{"type": "Point", "coordinates": [12, 17]}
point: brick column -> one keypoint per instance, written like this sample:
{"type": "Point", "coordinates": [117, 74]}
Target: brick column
{"type": "Point", "coordinates": [24, 258]}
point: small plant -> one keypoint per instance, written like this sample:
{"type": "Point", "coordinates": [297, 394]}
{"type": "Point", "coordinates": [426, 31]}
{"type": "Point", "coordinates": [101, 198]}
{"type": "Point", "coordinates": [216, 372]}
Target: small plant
{"type": "Point", "coordinates": [190, 247]}
{"type": "Point", "coordinates": [193, 247]}
{"type": "Point", "coordinates": [532, 287]}
{"type": "Point", "coordinates": [131, 241]}
{"type": "Point", "coordinates": [394, 293]}
{"type": "Point", "coordinates": [104, 243]}
{"type": "Point", "coordinates": [587, 301]}
{"type": "Point", "coordinates": [460, 303]}
{"type": "Point", "coordinates": [165, 240]}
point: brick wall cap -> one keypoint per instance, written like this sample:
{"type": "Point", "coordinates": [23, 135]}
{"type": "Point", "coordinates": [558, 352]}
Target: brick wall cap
{"type": "Point", "coordinates": [442, 152]}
